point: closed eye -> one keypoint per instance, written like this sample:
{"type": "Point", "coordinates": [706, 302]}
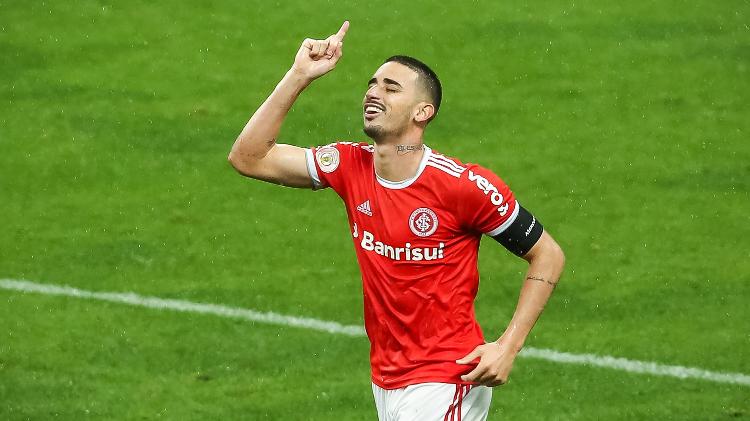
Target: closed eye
{"type": "Point", "coordinates": [390, 84]}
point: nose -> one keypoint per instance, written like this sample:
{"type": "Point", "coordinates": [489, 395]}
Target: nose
{"type": "Point", "coordinates": [372, 93]}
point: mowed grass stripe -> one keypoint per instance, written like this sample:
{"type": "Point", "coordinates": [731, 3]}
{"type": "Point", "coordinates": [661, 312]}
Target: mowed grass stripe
{"type": "Point", "coordinates": [130, 298]}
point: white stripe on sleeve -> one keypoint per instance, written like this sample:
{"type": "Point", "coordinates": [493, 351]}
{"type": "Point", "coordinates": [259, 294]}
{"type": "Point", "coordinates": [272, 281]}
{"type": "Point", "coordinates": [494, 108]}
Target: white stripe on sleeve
{"type": "Point", "coordinates": [504, 226]}
{"type": "Point", "coordinates": [443, 167]}
{"type": "Point", "coordinates": [310, 158]}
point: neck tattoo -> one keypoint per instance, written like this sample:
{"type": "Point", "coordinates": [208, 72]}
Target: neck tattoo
{"type": "Point", "coordinates": [404, 149]}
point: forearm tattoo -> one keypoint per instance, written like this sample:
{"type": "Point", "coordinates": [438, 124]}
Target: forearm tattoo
{"type": "Point", "coordinates": [540, 279]}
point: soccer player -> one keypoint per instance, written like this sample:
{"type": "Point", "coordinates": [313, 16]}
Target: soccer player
{"type": "Point", "coordinates": [416, 218]}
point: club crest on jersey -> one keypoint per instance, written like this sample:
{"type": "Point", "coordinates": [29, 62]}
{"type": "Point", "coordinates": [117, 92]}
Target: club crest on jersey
{"type": "Point", "coordinates": [328, 158]}
{"type": "Point", "coordinates": [423, 222]}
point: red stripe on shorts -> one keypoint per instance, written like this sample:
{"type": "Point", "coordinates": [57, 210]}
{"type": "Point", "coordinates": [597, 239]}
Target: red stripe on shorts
{"type": "Point", "coordinates": [460, 399]}
{"type": "Point", "coordinates": [451, 407]}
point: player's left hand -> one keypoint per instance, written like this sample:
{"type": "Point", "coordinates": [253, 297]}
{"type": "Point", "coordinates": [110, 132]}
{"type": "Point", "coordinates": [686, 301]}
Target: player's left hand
{"type": "Point", "coordinates": [495, 362]}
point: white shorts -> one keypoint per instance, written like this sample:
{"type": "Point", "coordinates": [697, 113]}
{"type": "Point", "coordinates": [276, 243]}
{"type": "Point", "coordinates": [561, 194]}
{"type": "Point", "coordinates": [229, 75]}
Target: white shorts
{"type": "Point", "coordinates": [433, 402]}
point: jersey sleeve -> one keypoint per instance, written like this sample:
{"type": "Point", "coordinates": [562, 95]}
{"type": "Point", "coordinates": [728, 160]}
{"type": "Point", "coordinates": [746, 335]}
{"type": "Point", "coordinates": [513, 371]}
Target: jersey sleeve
{"type": "Point", "coordinates": [328, 165]}
{"type": "Point", "coordinates": [485, 204]}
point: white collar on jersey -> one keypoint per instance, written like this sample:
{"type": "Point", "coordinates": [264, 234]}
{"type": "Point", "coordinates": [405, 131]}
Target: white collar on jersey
{"type": "Point", "coordinates": [408, 182]}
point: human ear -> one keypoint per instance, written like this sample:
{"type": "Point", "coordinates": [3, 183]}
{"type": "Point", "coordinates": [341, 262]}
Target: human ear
{"type": "Point", "coordinates": [424, 112]}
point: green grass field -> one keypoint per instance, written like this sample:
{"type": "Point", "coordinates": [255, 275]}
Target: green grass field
{"type": "Point", "coordinates": [624, 126]}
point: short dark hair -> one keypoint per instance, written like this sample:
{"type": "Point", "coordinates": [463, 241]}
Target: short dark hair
{"type": "Point", "coordinates": [427, 77]}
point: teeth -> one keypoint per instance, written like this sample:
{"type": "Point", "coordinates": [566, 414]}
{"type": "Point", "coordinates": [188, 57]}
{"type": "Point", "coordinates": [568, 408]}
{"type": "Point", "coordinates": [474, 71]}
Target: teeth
{"type": "Point", "coordinates": [372, 109]}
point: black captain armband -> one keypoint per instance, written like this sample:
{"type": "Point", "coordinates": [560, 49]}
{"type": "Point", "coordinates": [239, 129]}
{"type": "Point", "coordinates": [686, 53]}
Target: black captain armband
{"type": "Point", "coordinates": [522, 234]}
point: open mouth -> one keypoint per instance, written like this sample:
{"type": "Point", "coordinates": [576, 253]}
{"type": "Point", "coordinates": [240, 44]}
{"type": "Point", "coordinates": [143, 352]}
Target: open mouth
{"type": "Point", "coordinates": [373, 110]}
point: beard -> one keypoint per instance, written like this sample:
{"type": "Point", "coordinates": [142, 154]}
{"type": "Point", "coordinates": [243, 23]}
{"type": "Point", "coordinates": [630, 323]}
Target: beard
{"type": "Point", "coordinates": [374, 132]}
{"type": "Point", "coordinates": [377, 132]}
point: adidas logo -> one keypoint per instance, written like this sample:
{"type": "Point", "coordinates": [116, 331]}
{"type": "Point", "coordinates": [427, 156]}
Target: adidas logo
{"type": "Point", "coordinates": [365, 208]}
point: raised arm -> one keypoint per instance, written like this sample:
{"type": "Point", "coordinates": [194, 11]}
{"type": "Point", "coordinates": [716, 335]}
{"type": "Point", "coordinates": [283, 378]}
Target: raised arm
{"type": "Point", "coordinates": [255, 153]}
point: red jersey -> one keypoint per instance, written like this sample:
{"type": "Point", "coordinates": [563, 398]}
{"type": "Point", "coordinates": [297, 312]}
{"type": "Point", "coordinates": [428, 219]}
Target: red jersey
{"type": "Point", "coordinates": [416, 243]}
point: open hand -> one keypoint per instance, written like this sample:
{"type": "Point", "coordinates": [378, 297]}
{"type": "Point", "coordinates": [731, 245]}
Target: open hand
{"type": "Point", "coordinates": [495, 362]}
{"type": "Point", "coordinates": [318, 57]}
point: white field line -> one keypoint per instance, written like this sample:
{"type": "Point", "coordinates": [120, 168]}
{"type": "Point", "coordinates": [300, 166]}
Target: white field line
{"type": "Point", "coordinates": [623, 364]}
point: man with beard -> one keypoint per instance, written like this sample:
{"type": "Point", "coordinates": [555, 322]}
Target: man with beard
{"type": "Point", "coordinates": [416, 218]}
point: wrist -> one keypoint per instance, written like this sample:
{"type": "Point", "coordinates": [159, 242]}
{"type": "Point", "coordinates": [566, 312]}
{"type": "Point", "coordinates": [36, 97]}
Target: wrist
{"type": "Point", "coordinates": [513, 344]}
{"type": "Point", "coordinates": [298, 77]}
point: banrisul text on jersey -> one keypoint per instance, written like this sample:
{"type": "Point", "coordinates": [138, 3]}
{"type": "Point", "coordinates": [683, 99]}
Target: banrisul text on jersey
{"type": "Point", "coordinates": [406, 252]}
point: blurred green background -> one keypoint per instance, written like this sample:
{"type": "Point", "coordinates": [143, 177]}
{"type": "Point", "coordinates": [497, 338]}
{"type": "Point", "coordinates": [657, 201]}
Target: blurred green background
{"type": "Point", "coordinates": [622, 126]}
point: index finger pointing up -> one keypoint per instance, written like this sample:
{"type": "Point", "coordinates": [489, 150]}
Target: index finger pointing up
{"type": "Point", "coordinates": [342, 31]}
